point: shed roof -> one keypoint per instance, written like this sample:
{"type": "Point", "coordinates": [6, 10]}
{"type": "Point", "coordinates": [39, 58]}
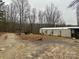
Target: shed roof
{"type": "Point", "coordinates": [61, 28]}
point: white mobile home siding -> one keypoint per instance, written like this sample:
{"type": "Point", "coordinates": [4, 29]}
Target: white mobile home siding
{"type": "Point", "coordinates": [66, 33]}
{"type": "Point", "coordinates": [56, 32]}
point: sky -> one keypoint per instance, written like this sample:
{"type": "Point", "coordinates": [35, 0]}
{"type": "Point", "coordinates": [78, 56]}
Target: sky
{"type": "Point", "coordinates": [69, 14]}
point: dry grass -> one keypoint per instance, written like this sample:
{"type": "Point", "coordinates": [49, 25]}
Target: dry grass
{"type": "Point", "coordinates": [32, 37]}
{"type": "Point", "coordinates": [35, 37]}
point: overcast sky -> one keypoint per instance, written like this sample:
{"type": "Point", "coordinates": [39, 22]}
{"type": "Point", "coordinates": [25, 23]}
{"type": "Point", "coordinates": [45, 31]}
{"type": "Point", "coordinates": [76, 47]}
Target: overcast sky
{"type": "Point", "coordinates": [69, 14]}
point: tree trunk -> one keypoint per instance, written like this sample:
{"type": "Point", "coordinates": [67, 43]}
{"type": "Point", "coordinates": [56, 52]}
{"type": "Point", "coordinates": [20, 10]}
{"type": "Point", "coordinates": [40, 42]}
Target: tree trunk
{"type": "Point", "coordinates": [77, 14]}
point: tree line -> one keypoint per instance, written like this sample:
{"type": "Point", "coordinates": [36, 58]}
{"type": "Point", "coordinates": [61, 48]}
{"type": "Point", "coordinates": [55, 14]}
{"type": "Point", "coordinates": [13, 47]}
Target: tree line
{"type": "Point", "coordinates": [19, 14]}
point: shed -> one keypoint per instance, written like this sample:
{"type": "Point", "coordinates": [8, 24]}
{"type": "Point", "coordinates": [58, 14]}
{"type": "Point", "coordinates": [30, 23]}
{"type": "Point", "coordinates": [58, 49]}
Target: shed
{"type": "Point", "coordinates": [61, 31]}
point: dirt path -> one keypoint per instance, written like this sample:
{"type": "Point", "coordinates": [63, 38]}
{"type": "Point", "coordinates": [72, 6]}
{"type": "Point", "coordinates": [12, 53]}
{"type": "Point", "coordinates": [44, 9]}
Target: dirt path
{"type": "Point", "coordinates": [11, 47]}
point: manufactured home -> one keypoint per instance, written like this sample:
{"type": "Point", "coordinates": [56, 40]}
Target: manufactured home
{"type": "Point", "coordinates": [61, 31]}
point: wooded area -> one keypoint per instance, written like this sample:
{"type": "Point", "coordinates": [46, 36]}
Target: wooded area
{"type": "Point", "coordinates": [20, 17]}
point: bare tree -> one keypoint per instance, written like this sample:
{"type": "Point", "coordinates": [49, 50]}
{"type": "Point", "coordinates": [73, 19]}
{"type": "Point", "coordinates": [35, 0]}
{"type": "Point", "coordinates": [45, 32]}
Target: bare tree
{"type": "Point", "coordinates": [11, 16]}
{"type": "Point", "coordinates": [76, 2]}
{"type": "Point", "coordinates": [52, 15]}
{"type": "Point", "coordinates": [32, 18]}
{"type": "Point", "coordinates": [40, 17]}
{"type": "Point", "coordinates": [34, 15]}
{"type": "Point", "coordinates": [22, 8]}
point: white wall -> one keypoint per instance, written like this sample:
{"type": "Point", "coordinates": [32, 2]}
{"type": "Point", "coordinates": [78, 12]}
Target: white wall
{"type": "Point", "coordinates": [66, 33]}
{"type": "Point", "coordinates": [56, 32]}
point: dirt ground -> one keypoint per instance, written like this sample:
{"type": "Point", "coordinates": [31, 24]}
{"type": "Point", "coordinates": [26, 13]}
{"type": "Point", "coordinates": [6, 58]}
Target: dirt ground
{"type": "Point", "coordinates": [13, 46]}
